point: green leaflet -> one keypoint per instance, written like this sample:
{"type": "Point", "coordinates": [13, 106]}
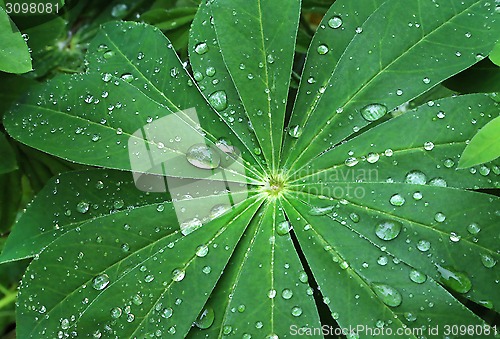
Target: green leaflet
{"type": "Point", "coordinates": [495, 54]}
{"type": "Point", "coordinates": [483, 147]}
{"type": "Point", "coordinates": [7, 155]}
{"type": "Point", "coordinates": [379, 216]}
{"type": "Point", "coordinates": [14, 53]}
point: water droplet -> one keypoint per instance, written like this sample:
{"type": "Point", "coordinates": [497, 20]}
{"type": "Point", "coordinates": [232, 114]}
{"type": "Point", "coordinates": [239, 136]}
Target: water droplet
{"type": "Point", "coordinates": [440, 182]}
{"type": "Point", "coordinates": [322, 49]}
{"type": "Point", "coordinates": [388, 230]}
{"type": "Point", "coordinates": [372, 157]}
{"type": "Point", "coordinates": [116, 312]}
{"type": "Point", "coordinates": [201, 48]}
{"type": "Point", "coordinates": [335, 22]}
{"type": "Point", "coordinates": [410, 316]}
{"type": "Point", "coordinates": [473, 228]}
{"type": "Point", "coordinates": [125, 247]}
{"type": "Point", "coordinates": [203, 156]}
{"type": "Point", "coordinates": [350, 162]}
{"type": "Point", "coordinates": [83, 207]}
{"type": "Point", "coordinates": [127, 77]}
{"type": "Point", "coordinates": [373, 112]}
{"type": "Point", "coordinates": [100, 282]}
{"type": "Point", "coordinates": [202, 251]}
{"type": "Point", "coordinates": [286, 293]}
{"type": "Point", "coordinates": [210, 71]}
{"type": "Point", "coordinates": [108, 54]}
{"type": "Point", "coordinates": [205, 319]}
{"type": "Point", "coordinates": [457, 281]}
{"type": "Point", "coordinates": [417, 195]}
{"type": "Point", "coordinates": [448, 163]}
{"type": "Point", "coordinates": [303, 277]}
{"type": "Point", "coordinates": [454, 237]}
{"type": "Point", "coordinates": [119, 10]}
{"type": "Point", "coordinates": [417, 277]}
{"type": "Point", "coordinates": [488, 261]}
{"type": "Point", "coordinates": [271, 294]}
{"type": "Point", "coordinates": [317, 211]}
{"type": "Point", "coordinates": [388, 294]}
{"type": "Point", "coordinates": [218, 210]}
{"type": "Point", "coordinates": [270, 58]}
{"type": "Point", "coordinates": [167, 313]}
{"type": "Point", "coordinates": [354, 217]}
{"type": "Point", "coordinates": [296, 311]}
{"type": "Point", "coordinates": [227, 329]}
{"type": "Point", "coordinates": [178, 274]}
{"type": "Point", "coordinates": [423, 245]}
{"type": "Point", "coordinates": [484, 170]}
{"type": "Point", "coordinates": [416, 178]}
{"type": "Point", "coordinates": [359, 30]}
{"type": "Point", "coordinates": [382, 260]}
{"type": "Point", "coordinates": [426, 81]}
{"type": "Point", "coordinates": [218, 100]}
{"type": "Point", "coordinates": [65, 324]}
{"type": "Point", "coordinates": [283, 228]}
{"type": "Point", "coordinates": [428, 146]}
{"type": "Point", "coordinates": [295, 131]}
{"type": "Point", "coordinates": [399, 92]}
{"type": "Point", "coordinates": [439, 217]}
{"type": "Point", "coordinates": [190, 225]}
{"type": "Point", "coordinates": [397, 200]}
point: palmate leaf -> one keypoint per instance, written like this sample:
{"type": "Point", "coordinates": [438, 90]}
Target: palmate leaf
{"type": "Point", "coordinates": [378, 218]}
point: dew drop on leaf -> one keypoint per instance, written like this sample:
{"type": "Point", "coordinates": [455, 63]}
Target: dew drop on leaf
{"type": "Point", "coordinates": [322, 49]}
{"type": "Point", "coordinates": [410, 316]}
{"type": "Point", "coordinates": [202, 251]}
{"type": "Point", "coordinates": [218, 210]}
{"type": "Point", "coordinates": [295, 131]}
{"type": "Point", "coordinates": [388, 294]}
{"type": "Point", "coordinates": [116, 312]}
{"type": "Point", "coordinates": [349, 162]}
{"type": "Point", "coordinates": [372, 157]}
{"type": "Point", "coordinates": [417, 277]}
{"type": "Point", "coordinates": [388, 230]}
{"type": "Point", "coordinates": [423, 245]}
{"type": "Point", "coordinates": [127, 77]}
{"type": "Point", "coordinates": [190, 225]}
{"type": "Point", "coordinates": [100, 282]}
{"type": "Point", "coordinates": [218, 100]}
{"type": "Point", "coordinates": [205, 319]}
{"type": "Point", "coordinates": [428, 145]}
{"type": "Point", "coordinates": [178, 274]}
{"type": "Point", "coordinates": [335, 22]}
{"type": "Point", "coordinates": [167, 313]}
{"type": "Point", "coordinates": [201, 48]}
{"type": "Point", "coordinates": [108, 54]}
{"type": "Point", "coordinates": [397, 200]}
{"type": "Point", "coordinates": [287, 293]}
{"type": "Point", "coordinates": [283, 227]}
{"type": "Point", "coordinates": [488, 261]}
{"type": "Point", "coordinates": [296, 311]}
{"type": "Point", "coordinates": [416, 178]}
{"type": "Point", "coordinates": [317, 211]}
{"type": "Point", "coordinates": [203, 156]}
{"type": "Point", "coordinates": [473, 228]}
{"type": "Point", "coordinates": [457, 281]}
{"type": "Point", "coordinates": [439, 217]}
{"type": "Point", "coordinates": [210, 71]}
{"type": "Point", "coordinates": [373, 112]}
{"type": "Point", "coordinates": [440, 182]}
{"type": "Point", "coordinates": [382, 260]}
{"type": "Point", "coordinates": [83, 207]}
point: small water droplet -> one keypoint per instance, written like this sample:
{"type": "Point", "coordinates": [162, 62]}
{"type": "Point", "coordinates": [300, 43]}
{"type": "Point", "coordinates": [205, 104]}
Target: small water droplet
{"type": "Point", "coordinates": [428, 146]}
{"type": "Point", "coordinates": [440, 182]}
{"type": "Point", "coordinates": [410, 316]}
{"type": "Point", "coordinates": [417, 277]}
{"type": "Point", "coordinates": [382, 260]}
{"type": "Point", "coordinates": [108, 54]}
{"type": "Point", "coordinates": [286, 293]}
{"type": "Point", "coordinates": [201, 48]}
{"type": "Point", "coordinates": [473, 228]}
{"type": "Point", "coordinates": [210, 71]}
{"type": "Point", "coordinates": [426, 80]}
{"type": "Point", "coordinates": [335, 22]}
{"type": "Point", "coordinates": [423, 245]}
{"type": "Point", "coordinates": [354, 217]}
{"type": "Point", "coordinates": [116, 312]}
{"type": "Point", "coordinates": [83, 207]}
{"type": "Point", "coordinates": [178, 274]}
{"type": "Point", "coordinates": [202, 251]}
{"type": "Point", "coordinates": [373, 112]}
{"type": "Point", "coordinates": [190, 225]}
{"type": "Point", "coordinates": [127, 77]}
{"type": "Point", "coordinates": [350, 162]}
{"type": "Point", "coordinates": [397, 200]}
{"type": "Point", "coordinates": [322, 49]}
{"type": "Point", "coordinates": [317, 211]}
{"type": "Point", "coordinates": [167, 313]}
{"type": "Point", "coordinates": [388, 230]}
{"type": "Point", "coordinates": [488, 261]}
{"type": "Point", "coordinates": [388, 294]}
{"type": "Point", "coordinates": [295, 131]}
{"type": "Point", "coordinates": [100, 282]}
{"type": "Point", "coordinates": [417, 195]}
{"type": "Point", "coordinates": [203, 156]}
{"type": "Point", "coordinates": [372, 157]}
{"type": "Point", "coordinates": [296, 311]}
{"type": "Point", "coordinates": [439, 217]}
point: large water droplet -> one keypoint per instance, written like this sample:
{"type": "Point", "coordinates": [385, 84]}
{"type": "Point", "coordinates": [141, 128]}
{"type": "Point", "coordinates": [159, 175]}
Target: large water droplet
{"type": "Point", "coordinates": [203, 156]}
{"type": "Point", "coordinates": [417, 277]}
{"type": "Point", "coordinates": [335, 22]}
{"type": "Point", "coordinates": [423, 245]}
{"type": "Point", "coordinates": [373, 112]}
{"type": "Point", "coordinates": [322, 49]}
{"type": "Point", "coordinates": [283, 228]}
{"type": "Point", "coordinates": [388, 230]}
{"type": "Point", "coordinates": [440, 182]}
{"type": "Point", "coordinates": [455, 280]}
{"type": "Point", "coordinates": [320, 210]}
{"type": "Point", "coordinates": [202, 251]}
{"type": "Point", "coordinates": [473, 228]}
{"type": "Point", "coordinates": [100, 282]}
{"type": "Point", "coordinates": [218, 100]}
{"type": "Point", "coordinates": [440, 217]}
{"type": "Point", "coordinates": [488, 261]}
{"type": "Point", "coordinates": [388, 294]}
{"type": "Point", "coordinates": [116, 312]}
{"type": "Point", "coordinates": [296, 311]}
{"type": "Point", "coordinates": [83, 207]}
{"type": "Point", "coordinates": [201, 48]}
{"type": "Point", "coordinates": [205, 319]}
{"type": "Point", "coordinates": [416, 178]}
{"type": "Point", "coordinates": [286, 293]}
{"type": "Point", "coordinates": [190, 225]}
{"type": "Point", "coordinates": [178, 274]}
{"type": "Point", "coordinates": [397, 200]}
{"type": "Point", "coordinates": [295, 131]}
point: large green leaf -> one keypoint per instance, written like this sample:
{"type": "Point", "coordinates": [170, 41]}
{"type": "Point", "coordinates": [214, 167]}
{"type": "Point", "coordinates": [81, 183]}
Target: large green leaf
{"type": "Point", "coordinates": [378, 216]}
{"type": "Point", "coordinates": [14, 53]}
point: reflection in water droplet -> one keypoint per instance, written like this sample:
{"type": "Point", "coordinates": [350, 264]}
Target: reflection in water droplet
{"type": "Point", "coordinates": [100, 282]}
{"type": "Point", "coordinates": [397, 200]}
{"type": "Point", "coordinates": [417, 277]}
{"type": "Point", "coordinates": [416, 178]}
{"type": "Point", "coordinates": [335, 22]}
{"type": "Point", "coordinates": [201, 48]}
{"type": "Point", "coordinates": [127, 77]}
{"type": "Point", "coordinates": [218, 100]}
{"type": "Point", "coordinates": [205, 319]}
{"type": "Point", "coordinates": [457, 281]}
{"type": "Point", "coordinates": [388, 294]}
{"type": "Point", "coordinates": [488, 261]}
{"type": "Point", "coordinates": [203, 156]}
{"type": "Point", "coordinates": [295, 131]}
{"type": "Point", "coordinates": [388, 230]}
{"type": "Point", "coordinates": [373, 112]}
